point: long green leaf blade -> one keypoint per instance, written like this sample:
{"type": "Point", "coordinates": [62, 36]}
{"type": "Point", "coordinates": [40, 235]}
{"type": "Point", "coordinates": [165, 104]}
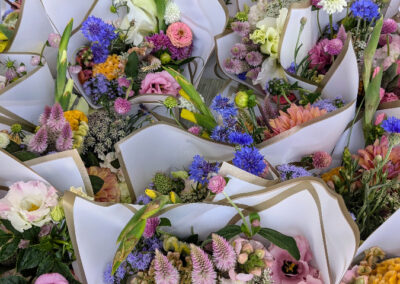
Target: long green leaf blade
{"type": "Point", "coordinates": [284, 242]}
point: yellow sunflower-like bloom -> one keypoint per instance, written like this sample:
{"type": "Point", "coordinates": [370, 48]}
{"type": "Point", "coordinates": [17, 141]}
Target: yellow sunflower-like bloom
{"type": "Point", "coordinates": [111, 68]}
{"type": "Point", "coordinates": [387, 271]}
{"type": "Point", "coordinates": [74, 117]}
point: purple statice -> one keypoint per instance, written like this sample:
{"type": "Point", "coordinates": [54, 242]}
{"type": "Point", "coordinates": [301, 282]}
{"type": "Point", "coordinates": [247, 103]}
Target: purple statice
{"type": "Point", "coordinates": [250, 160]}
{"type": "Point", "coordinates": [121, 271]}
{"type": "Point", "coordinates": [365, 9]}
{"type": "Point", "coordinates": [239, 138]}
{"type": "Point", "coordinates": [143, 199]}
{"type": "Point", "coordinates": [241, 28]}
{"type": "Point", "coordinates": [153, 244]}
{"type": "Point", "coordinates": [223, 107]}
{"type": "Point", "coordinates": [140, 261]}
{"type": "Point", "coordinates": [254, 58]}
{"type": "Point", "coordinates": [391, 125]}
{"type": "Point", "coordinates": [99, 87]}
{"type": "Point", "coordinates": [107, 275]}
{"type": "Point", "coordinates": [221, 134]}
{"type": "Point", "coordinates": [97, 31]}
{"type": "Point", "coordinates": [200, 169]}
{"type": "Point", "coordinates": [329, 104]}
{"type": "Point", "coordinates": [292, 68]}
{"type": "Point", "coordinates": [288, 172]}
{"type": "Point", "coordinates": [239, 50]}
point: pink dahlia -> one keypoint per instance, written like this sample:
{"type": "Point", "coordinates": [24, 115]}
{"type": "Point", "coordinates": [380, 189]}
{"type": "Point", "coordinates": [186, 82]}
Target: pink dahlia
{"type": "Point", "coordinates": [151, 226]}
{"type": "Point", "coordinates": [334, 46]}
{"type": "Point", "coordinates": [122, 106]}
{"type": "Point", "coordinates": [389, 26]}
{"type": "Point", "coordinates": [51, 278]}
{"type": "Point", "coordinates": [54, 40]}
{"type": "Point", "coordinates": [180, 34]}
{"type": "Point", "coordinates": [319, 59]}
{"type": "Point", "coordinates": [321, 160]}
{"type": "Point", "coordinates": [159, 83]}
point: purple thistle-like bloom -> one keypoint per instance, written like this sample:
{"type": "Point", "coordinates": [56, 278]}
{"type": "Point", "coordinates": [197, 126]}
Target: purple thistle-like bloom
{"type": "Point", "coordinates": [239, 50]}
{"type": "Point", "coordinates": [222, 105]}
{"type": "Point", "coordinates": [334, 46]}
{"type": "Point", "coordinates": [122, 106]}
{"type": "Point", "coordinates": [242, 139]}
{"type": "Point", "coordinates": [95, 30]}
{"type": "Point", "coordinates": [253, 73]}
{"type": "Point", "coordinates": [140, 261]}
{"type": "Point", "coordinates": [220, 134]}
{"type": "Point", "coordinates": [250, 160]}
{"type": "Point", "coordinates": [64, 140]}
{"type": "Point", "coordinates": [224, 255]}
{"type": "Point", "coordinates": [288, 172]}
{"type": "Point", "coordinates": [200, 169]}
{"type": "Point", "coordinates": [179, 53]}
{"type": "Point", "coordinates": [56, 119]}
{"type": "Point", "coordinates": [107, 276]}
{"type": "Point", "coordinates": [254, 58]}
{"type": "Point", "coordinates": [241, 28]}
{"type": "Point", "coordinates": [143, 199]}
{"type": "Point", "coordinates": [165, 272]}
{"type": "Point", "coordinates": [391, 125]}
{"type": "Point", "coordinates": [45, 115]}
{"type": "Point", "coordinates": [389, 26]}
{"type": "Point", "coordinates": [160, 41]}
{"type": "Point", "coordinates": [38, 143]}
{"type": "Point", "coordinates": [100, 53]}
{"type": "Point", "coordinates": [365, 9]}
{"type": "Point", "coordinates": [151, 226]}
{"type": "Point", "coordinates": [203, 271]}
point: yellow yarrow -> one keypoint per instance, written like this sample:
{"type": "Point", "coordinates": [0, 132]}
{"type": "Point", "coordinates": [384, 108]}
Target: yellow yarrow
{"type": "Point", "coordinates": [74, 117]}
{"type": "Point", "coordinates": [110, 68]}
{"type": "Point", "coordinates": [329, 175]}
{"type": "Point", "coordinates": [387, 271]}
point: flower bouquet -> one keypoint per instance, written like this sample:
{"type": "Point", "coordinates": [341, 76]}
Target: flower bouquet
{"type": "Point", "coordinates": [167, 235]}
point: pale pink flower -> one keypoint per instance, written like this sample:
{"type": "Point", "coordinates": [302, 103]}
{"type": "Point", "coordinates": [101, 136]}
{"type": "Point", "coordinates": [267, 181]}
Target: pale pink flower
{"type": "Point", "coordinates": [254, 58]}
{"type": "Point", "coordinates": [223, 254]}
{"type": "Point", "coordinates": [151, 226]}
{"type": "Point", "coordinates": [381, 93]}
{"type": "Point", "coordinates": [38, 143]}
{"type": "Point", "coordinates": [122, 106]}
{"type": "Point", "coordinates": [35, 60]}
{"type": "Point", "coordinates": [253, 73]}
{"type": "Point", "coordinates": [159, 83]}
{"type": "Point", "coordinates": [45, 115]}
{"type": "Point", "coordinates": [180, 34]}
{"type": "Point", "coordinates": [379, 118]}
{"type": "Point", "coordinates": [23, 244]}
{"type": "Point", "coordinates": [64, 141]}
{"type": "Point", "coordinates": [319, 59]}
{"type": "Point", "coordinates": [124, 82]}
{"type": "Point", "coordinates": [240, 276]}
{"type": "Point", "coordinates": [342, 35]}
{"type": "Point", "coordinates": [56, 119]}
{"type": "Point", "coordinates": [241, 28]}
{"type": "Point", "coordinates": [195, 130]}
{"type": "Point", "coordinates": [54, 40]}
{"type": "Point", "coordinates": [165, 272]}
{"type": "Point", "coordinates": [239, 50]}
{"type": "Point", "coordinates": [235, 66]}
{"type": "Point", "coordinates": [350, 275]}
{"type": "Point", "coordinates": [75, 69]}
{"type": "Point", "coordinates": [203, 271]}
{"type": "Point", "coordinates": [51, 278]}
{"type": "Point", "coordinates": [376, 71]}
{"type": "Point", "coordinates": [11, 74]}
{"type": "Point", "coordinates": [321, 160]}
{"type": "Point", "coordinates": [217, 184]}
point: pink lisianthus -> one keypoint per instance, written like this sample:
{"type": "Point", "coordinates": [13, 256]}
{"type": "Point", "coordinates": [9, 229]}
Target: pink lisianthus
{"type": "Point", "coordinates": [319, 59]}
{"type": "Point", "coordinates": [217, 184]}
{"type": "Point", "coordinates": [161, 83]}
{"type": "Point", "coordinates": [180, 34]}
{"type": "Point", "coordinates": [51, 278]}
{"type": "Point", "coordinates": [389, 97]}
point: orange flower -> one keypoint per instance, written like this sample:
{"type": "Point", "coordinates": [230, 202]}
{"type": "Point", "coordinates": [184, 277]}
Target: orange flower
{"type": "Point", "coordinates": [109, 192]}
{"type": "Point", "coordinates": [329, 175]}
{"type": "Point", "coordinates": [111, 68]}
{"type": "Point", "coordinates": [74, 117]}
{"type": "Point", "coordinates": [295, 115]}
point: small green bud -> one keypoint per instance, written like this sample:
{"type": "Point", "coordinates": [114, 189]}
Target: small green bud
{"type": "Point", "coordinates": [366, 177]}
{"type": "Point", "coordinates": [113, 9]}
{"type": "Point", "coordinates": [303, 21]}
{"type": "Point", "coordinates": [16, 128]}
{"type": "Point", "coordinates": [170, 102]}
{"type": "Point", "coordinates": [241, 99]}
{"type": "Point", "coordinates": [165, 58]}
{"type": "Point", "coordinates": [394, 139]}
{"type": "Point", "coordinates": [57, 213]}
{"type": "Point", "coordinates": [180, 174]}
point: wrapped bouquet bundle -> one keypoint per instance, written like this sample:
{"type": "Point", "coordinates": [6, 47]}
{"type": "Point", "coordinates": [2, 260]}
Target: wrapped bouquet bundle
{"type": "Point", "coordinates": [179, 244]}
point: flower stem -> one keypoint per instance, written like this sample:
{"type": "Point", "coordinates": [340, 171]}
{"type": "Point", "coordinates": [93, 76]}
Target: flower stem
{"type": "Point", "coordinates": [319, 25]}
{"type": "Point", "coordinates": [331, 24]}
{"type": "Point", "coordinates": [41, 53]}
{"type": "Point", "coordinates": [238, 210]}
{"type": "Point", "coordinates": [388, 45]}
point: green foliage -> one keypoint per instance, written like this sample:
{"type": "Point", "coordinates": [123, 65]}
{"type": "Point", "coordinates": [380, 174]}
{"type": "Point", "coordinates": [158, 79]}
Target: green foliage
{"type": "Point", "coordinates": [97, 183]}
{"type": "Point", "coordinates": [13, 280]}
{"type": "Point", "coordinates": [132, 66]}
{"type": "Point", "coordinates": [281, 240]}
{"type": "Point", "coordinates": [15, 150]}
{"type": "Point", "coordinates": [161, 6]}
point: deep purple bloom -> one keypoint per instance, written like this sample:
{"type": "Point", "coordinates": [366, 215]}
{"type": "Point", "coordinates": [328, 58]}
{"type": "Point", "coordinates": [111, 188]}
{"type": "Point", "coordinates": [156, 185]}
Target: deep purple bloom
{"type": "Point", "coordinates": [140, 261]}
{"type": "Point", "coordinates": [242, 139]}
{"type": "Point", "coordinates": [292, 68]}
{"type": "Point", "coordinates": [222, 105]}
{"type": "Point", "coordinates": [221, 134]}
{"type": "Point", "coordinates": [143, 199]}
{"type": "Point", "coordinates": [250, 160]}
{"type": "Point", "coordinates": [99, 87]}
{"type": "Point", "coordinates": [391, 125]}
{"type": "Point", "coordinates": [242, 76]}
{"type": "Point", "coordinates": [200, 169]}
{"type": "Point", "coordinates": [288, 172]}
{"type": "Point", "coordinates": [163, 43]}
{"type": "Point", "coordinates": [95, 30]}
{"type": "Point", "coordinates": [365, 9]}
{"type": "Point", "coordinates": [100, 53]}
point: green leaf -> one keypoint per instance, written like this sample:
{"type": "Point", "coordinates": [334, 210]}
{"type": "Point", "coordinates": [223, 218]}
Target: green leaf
{"type": "Point", "coordinates": [6, 31]}
{"type": "Point", "coordinates": [229, 232]}
{"type": "Point", "coordinates": [4, 237]}
{"type": "Point", "coordinates": [389, 75]}
{"type": "Point", "coordinates": [25, 155]}
{"type": "Point", "coordinates": [12, 147]}
{"type": "Point", "coordinates": [115, 164]}
{"type": "Point", "coordinates": [10, 227]}
{"type": "Point", "coordinates": [91, 160]}
{"type": "Point", "coordinates": [31, 234]}
{"type": "Point", "coordinates": [284, 242]}
{"type": "Point", "coordinates": [13, 280]}
{"type": "Point", "coordinates": [64, 270]}
{"type": "Point", "coordinates": [161, 6]}
{"type": "Point", "coordinates": [165, 222]}
{"type": "Point", "coordinates": [132, 66]}
{"type": "Point", "coordinates": [9, 249]}
{"type": "Point", "coordinates": [46, 265]}
{"type": "Point", "coordinates": [97, 183]}
{"type": "Point", "coordinates": [205, 121]}
{"type": "Point", "coordinates": [29, 258]}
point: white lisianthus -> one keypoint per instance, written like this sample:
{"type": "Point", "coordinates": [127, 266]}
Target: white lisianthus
{"type": "Point", "coordinates": [333, 6]}
{"type": "Point", "coordinates": [172, 13]}
{"type": "Point", "coordinates": [4, 140]}
{"type": "Point", "coordinates": [270, 69]}
{"type": "Point", "coordinates": [28, 204]}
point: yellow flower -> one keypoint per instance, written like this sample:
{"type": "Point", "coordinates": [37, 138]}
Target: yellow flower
{"type": "Point", "coordinates": [387, 271]}
{"type": "Point", "coordinates": [110, 68]}
{"type": "Point", "coordinates": [241, 99]}
{"type": "Point", "coordinates": [3, 42]}
{"type": "Point", "coordinates": [151, 193]}
{"type": "Point", "coordinates": [79, 191]}
{"type": "Point", "coordinates": [184, 94]}
{"type": "Point", "coordinates": [57, 213]}
{"type": "Point", "coordinates": [258, 36]}
{"type": "Point", "coordinates": [188, 115]}
{"type": "Point", "coordinates": [271, 44]}
{"type": "Point", "coordinates": [329, 175]}
{"type": "Point", "coordinates": [174, 197]}
{"type": "Point", "coordinates": [74, 117]}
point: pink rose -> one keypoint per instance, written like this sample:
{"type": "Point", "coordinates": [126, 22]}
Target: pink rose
{"type": "Point", "coordinates": [161, 83]}
{"type": "Point", "coordinates": [319, 59]}
{"type": "Point", "coordinates": [216, 184]}
{"type": "Point", "coordinates": [51, 278]}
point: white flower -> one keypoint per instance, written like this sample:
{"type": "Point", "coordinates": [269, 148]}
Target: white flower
{"type": "Point", "coordinates": [270, 69]}
{"type": "Point", "coordinates": [333, 6]}
{"type": "Point", "coordinates": [27, 139]}
{"type": "Point", "coordinates": [172, 13]}
{"type": "Point", "coordinates": [3, 81]}
{"type": "Point", "coordinates": [28, 203]}
{"type": "Point", "coordinates": [184, 103]}
{"type": "Point", "coordinates": [280, 21]}
{"type": "Point", "coordinates": [4, 140]}
{"type": "Point", "coordinates": [107, 160]}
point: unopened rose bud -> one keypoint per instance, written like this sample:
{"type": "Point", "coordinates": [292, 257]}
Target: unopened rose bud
{"type": "Point", "coordinates": [260, 253]}
{"type": "Point", "coordinates": [247, 248]}
{"type": "Point", "coordinates": [242, 258]}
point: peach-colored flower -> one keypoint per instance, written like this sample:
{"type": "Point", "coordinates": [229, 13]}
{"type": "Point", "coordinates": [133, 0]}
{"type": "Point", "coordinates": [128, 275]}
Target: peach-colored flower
{"type": "Point", "coordinates": [109, 192]}
{"type": "Point", "coordinates": [180, 34]}
{"type": "Point", "coordinates": [295, 115]}
{"type": "Point", "coordinates": [379, 118]}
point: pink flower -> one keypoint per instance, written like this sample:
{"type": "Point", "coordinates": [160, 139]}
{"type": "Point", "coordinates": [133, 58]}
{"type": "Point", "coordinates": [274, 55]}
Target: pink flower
{"type": "Point", "coordinates": [124, 82]}
{"type": "Point", "coordinates": [389, 26]}
{"type": "Point", "coordinates": [240, 276]}
{"type": "Point", "coordinates": [64, 140]}
{"type": "Point", "coordinates": [180, 34]}
{"type": "Point", "coordinates": [151, 226]}
{"type": "Point", "coordinates": [321, 160]}
{"type": "Point", "coordinates": [203, 271]}
{"type": "Point", "coordinates": [350, 275]}
{"type": "Point", "coordinates": [389, 97]}
{"type": "Point", "coordinates": [381, 93]}
{"type": "Point", "coordinates": [54, 40]}
{"type": "Point", "coordinates": [195, 130]}
{"type": "Point", "coordinates": [254, 58]}
{"type": "Point", "coordinates": [21, 69]}
{"type": "Point", "coordinates": [235, 66]}
{"type": "Point", "coordinates": [376, 71]}
{"type": "Point", "coordinates": [342, 35]}
{"type": "Point", "coordinates": [11, 74]}
{"type": "Point", "coordinates": [319, 59]}
{"type": "Point", "coordinates": [165, 272]}
{"type": "Point", "coordinates": [51, 278]}
{"type": "Point", "coordinates": [241, 28]}
{"type": "Point", "coordinates": [334, 46]}
{"type": "Point", "coordinates": [253, 73]}
{"type": "Point", "coordinates": [75, 69]}
{"type": "Point", "coordinates": [383, 39]}
{"type": "Point", "coordinates": [56, 119]}
{"type": "Point", "coordinates": [122, 106]}
{"type": "Point", "coordinates": [315, 3]}
{"type": "Point", "coordinates": [216, 184]}
{"type": "Point", "coordinates": [35, 60]}
{"type": "Point", "coordinates": [38, 143]}
{"type": "Point", "coordinates": [239, 50]}
{"type": "Point", "coordinates": [223, 254]}
{"type": "Point", "coordinates": [23, 244]}
{"type": "Point", "coordinates": [159, 83]}
{"type": "Point", "coordinates": [379, 118]}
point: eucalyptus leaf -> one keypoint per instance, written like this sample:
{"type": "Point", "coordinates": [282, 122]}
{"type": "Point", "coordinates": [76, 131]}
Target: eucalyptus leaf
{"type": "Point", "coordinates": [284, 242]}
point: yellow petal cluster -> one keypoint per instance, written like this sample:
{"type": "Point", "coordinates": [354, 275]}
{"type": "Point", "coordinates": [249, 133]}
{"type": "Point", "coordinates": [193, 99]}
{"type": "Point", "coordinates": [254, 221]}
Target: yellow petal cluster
{"type": "Point", "coordinates": [387, 271]}
{"type": "Point", "coordinates": [74, 118]}
{"type": "Point", "coordinates": [111, 68]}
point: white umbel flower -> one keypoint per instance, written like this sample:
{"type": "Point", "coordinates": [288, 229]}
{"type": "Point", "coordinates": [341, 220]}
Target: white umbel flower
{"type": "Point", "coordinates": [172, 13]}
{"type": "Point", "coordinates": [4, 140]}
{"type": "Point", "coordinates": [333, 6]}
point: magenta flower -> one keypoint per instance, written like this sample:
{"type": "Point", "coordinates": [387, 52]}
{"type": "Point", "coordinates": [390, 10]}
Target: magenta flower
{"type": "Point", "coordinates": [319, 59]}
{"type": "Point", "coordinates": [45, 115]}
{"type": "Point", "coordinates": [203, 271]}
{"type": "Point", "coordinates": [223, 254]}
{"type": "Point", "coordinates": [56, 119]}
{"type": "Point", "coordinates": [389, 26]}
{"type": "Point", "coordinates": [165, 272]}
{"type": "Point", "coordinates": [38, 143]}
{"type": "Point", "coordinates": [216, 184]}
{"type": "Point", "coordinates": [254, 58]}
{"type": "Point", "coordinates": [64, 140]}
{"type": "Point", "coordinates": [54, 40]}
{"type": "Point", "coordinates": [124, 82]}
{"type": "Point", "coordinates": [342, 35]}
{"type": "Point", "coordinates": [122, 106]}
{"type": "Point", "coordinates": [159, 83]}
{"type": "Point", "coordinates": [195, 130]}
{"type": "Point", "coordinates": [379, 118]}
{"type": "Point", "coordinates": [315, 3]}
{"type": "Point", "coordinates": [321, 160]}
{"type": "Point", "coordinates": [334, 46]}
{"type": "Point", "coordinates": [384, 38]}
{"type": "Point", "coordinates": [51, 278]}
{"type": "Point", "coordinates": [239, 51]}
{"type": "Point", "coordinates": [151, 226]}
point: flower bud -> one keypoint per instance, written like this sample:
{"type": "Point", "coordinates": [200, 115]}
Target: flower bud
{"type": "Point", "coordinates": [256, 271]}
{"type": "Point", "coordinates": [247, 248]}
{"type": "Point", "coordinates": [242, 258]}
{"type": "Point", "coordinates": [303, 21]}
{"type": "Point", "coordinates": [260, 253]}
{"type": "Point", "coordinates": [241, 99]}
{"type": "Point", "coordinates": [170, 102]}
{"type": "Point", "coordinates": [57, 213]}
{"type": "Point", "coordinates": [165, 58]}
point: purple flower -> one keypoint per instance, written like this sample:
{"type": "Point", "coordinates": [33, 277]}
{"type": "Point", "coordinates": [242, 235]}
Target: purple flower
{"type": "Point", "coordinates": [241, 28]}
{"type": "Point", "coordinates": [121, 271]}
{"type": "Point", "coordinates": [224, 255]}
{"type": "Point", "coordinates": [139, 261]}
{"type": "Point", "coordinates": [95, 30]}
{"type": "Point", "coordinates": [250, 160]}
{"type": "Point", "coordinates": [365, 9]}
{"type": "Point", "coordinates": [389, 26]}
{"type": "Point", "coordinates": [165, 272]}
{"type": "Point", "coordinates": [288, 172]}
{"type": "Point", "coordinates": [319, 59]}
{"type": "Point", "coordinates": [223, 106]}
{"type": "Point", "coordinates": [107, 276]}
{"type": "Point", "coordinates": [239, 51]}
{"type": "Point", "coordinates": [253, 73]}
{"type": "Point", "coordinates": [329, 104]}
{"type": "Point", "coordinates": [203, 271]}
{"type": "Point", "coordinates": [242, 139]}
{"type": "Point", "coordinates": [342, 35]}
{"type": "Point", "coordinates": [64, 141]}
{"type": "Point", "coordinates": [100, 53]}
{"type": "Point", "coordinates": [391, 125]}
{"type": "Point", "coordinates": [99, 87]}
{"type": "Point", "coordinates": [160, 41]}
{"type": "Point", "coordinates": [200, 169]}
{"type": "Point", "coordinates": [151, 226]}
{"type": "Point", "coordinates": [235, 66]}
{"type": "Point", "coordinates": [56, 119]}
{"type": "Point", "coordinates": [254, 58]}
{"type": "Point", "coordinates": [38, 143]}
{"type": "Point", "coordinates": [122, 106]}
{"type": "Point", "coordinates": [11, 74]}
{"type": "Point", "coordinates": [220, 134]}
{"type": "Point", "coordinates": [334, 46]}
{"type": "Point", "coordinates": [179, 53]}
{"type": "Point", "coordinates": [153, 244]}
{"type": "Point", "coordinates": [143, 199]}
{"type": "Point", "coordinates": [292, 68]}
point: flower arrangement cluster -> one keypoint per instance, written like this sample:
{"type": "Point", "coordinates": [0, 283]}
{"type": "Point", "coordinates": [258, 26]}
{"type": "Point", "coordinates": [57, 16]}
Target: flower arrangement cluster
{"type": "Point", "coordinates": [9, 21]}
{"type": "Point", "coordinates": [125, 58]}
{"type": "Point", "coordinates": [11, 72]}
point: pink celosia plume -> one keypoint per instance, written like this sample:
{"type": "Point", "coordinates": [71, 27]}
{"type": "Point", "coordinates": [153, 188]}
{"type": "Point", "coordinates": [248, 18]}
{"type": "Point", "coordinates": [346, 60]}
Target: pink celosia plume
{"type": "Point", "coordinates": [224, 256]}
{"type": "Point", "coordinates": [165, 272]}
{"type": "Point", "coordinates": [203, 271]}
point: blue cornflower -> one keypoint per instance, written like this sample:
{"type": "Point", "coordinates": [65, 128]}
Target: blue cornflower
{"type": "Point", "coordinates": [107, 276]}
{"type": "Point", "coordinates": [220, 134]}
{"type": "Point", "coordinates": [95, 30]}
{"type": "Point", "coordinates": [391, 125]}
{"type": "Point", "coordinates": [239, 138]}
{"type": "Point", "coordinates": [100, 53]}
{"type": "Point", "coordinates": [222, 105]}
{"type": "Point", "coordinates": [291, 69]}
{"type": "Point", "coordinates": [230, 122]}
{"type": "Point", "coordinates": [143, 199]}
{"type": "Point", "coordinates": [335, 28]}
{"type": "Point", "coordinates": [200, 169]}
{"type": "Point", "coordinates": [329, 104]}
{"type": "Point", "coordinates": [250, 160]}
{"type": "Point", "coordinates": [139, 261]}
{"type": "Point", "coordinates": [365, 9]}
{"type": "Point", "coordinates": [242, 76]}
{"type": "Point", "coordinates": [287, 172]}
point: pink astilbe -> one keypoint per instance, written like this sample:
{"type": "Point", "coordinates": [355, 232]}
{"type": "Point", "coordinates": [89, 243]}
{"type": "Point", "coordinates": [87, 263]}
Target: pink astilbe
{"type": "Point", "coordinates": [38, 143]}
{"type": "Point", "coordinates": [45, 115]}
{"type": "Point", "coordinates": [165, 272]}
{"type": "Point", "coordinates": [64, 140]}
{"type": "Point", "coordinates": [56, 119]}
{"type": "Point", "coordinates": [151, 226]}
{"type": "Point", "coordinates": [203, 271]}
{"type": "Point", "coordinates": [224, 256]}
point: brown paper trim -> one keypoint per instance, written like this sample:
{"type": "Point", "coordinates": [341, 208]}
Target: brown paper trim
{"type": "Point", "coordinates": [67, 154]}
{"type": "Point", "coordinates": [389, 105]}
{"type": "Point", "coordinates": [9, 122]}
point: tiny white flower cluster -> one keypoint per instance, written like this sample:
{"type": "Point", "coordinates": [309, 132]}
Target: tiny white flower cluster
{"type": "Point", "coordinates": [184, 103]}
{"type": "Point", "coordinates": [172, 13]}
{"type": "Point", "coordinates": [333, 6]}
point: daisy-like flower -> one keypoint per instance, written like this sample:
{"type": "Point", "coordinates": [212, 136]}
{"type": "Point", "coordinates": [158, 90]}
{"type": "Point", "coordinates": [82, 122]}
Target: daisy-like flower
{"type": "Point", "coordinates": [333, 6]}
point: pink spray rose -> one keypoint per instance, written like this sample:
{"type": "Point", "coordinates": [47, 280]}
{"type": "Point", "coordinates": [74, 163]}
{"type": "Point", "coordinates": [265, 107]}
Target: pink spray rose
{"type": "Point", "coordinates": [319, 58]}
{"type": "Point", "coordinates": [51, 278]}
{"type": "Point", "coordinates": [161, 83]}
{"type": "Point", "coordinates": [216, 184]}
